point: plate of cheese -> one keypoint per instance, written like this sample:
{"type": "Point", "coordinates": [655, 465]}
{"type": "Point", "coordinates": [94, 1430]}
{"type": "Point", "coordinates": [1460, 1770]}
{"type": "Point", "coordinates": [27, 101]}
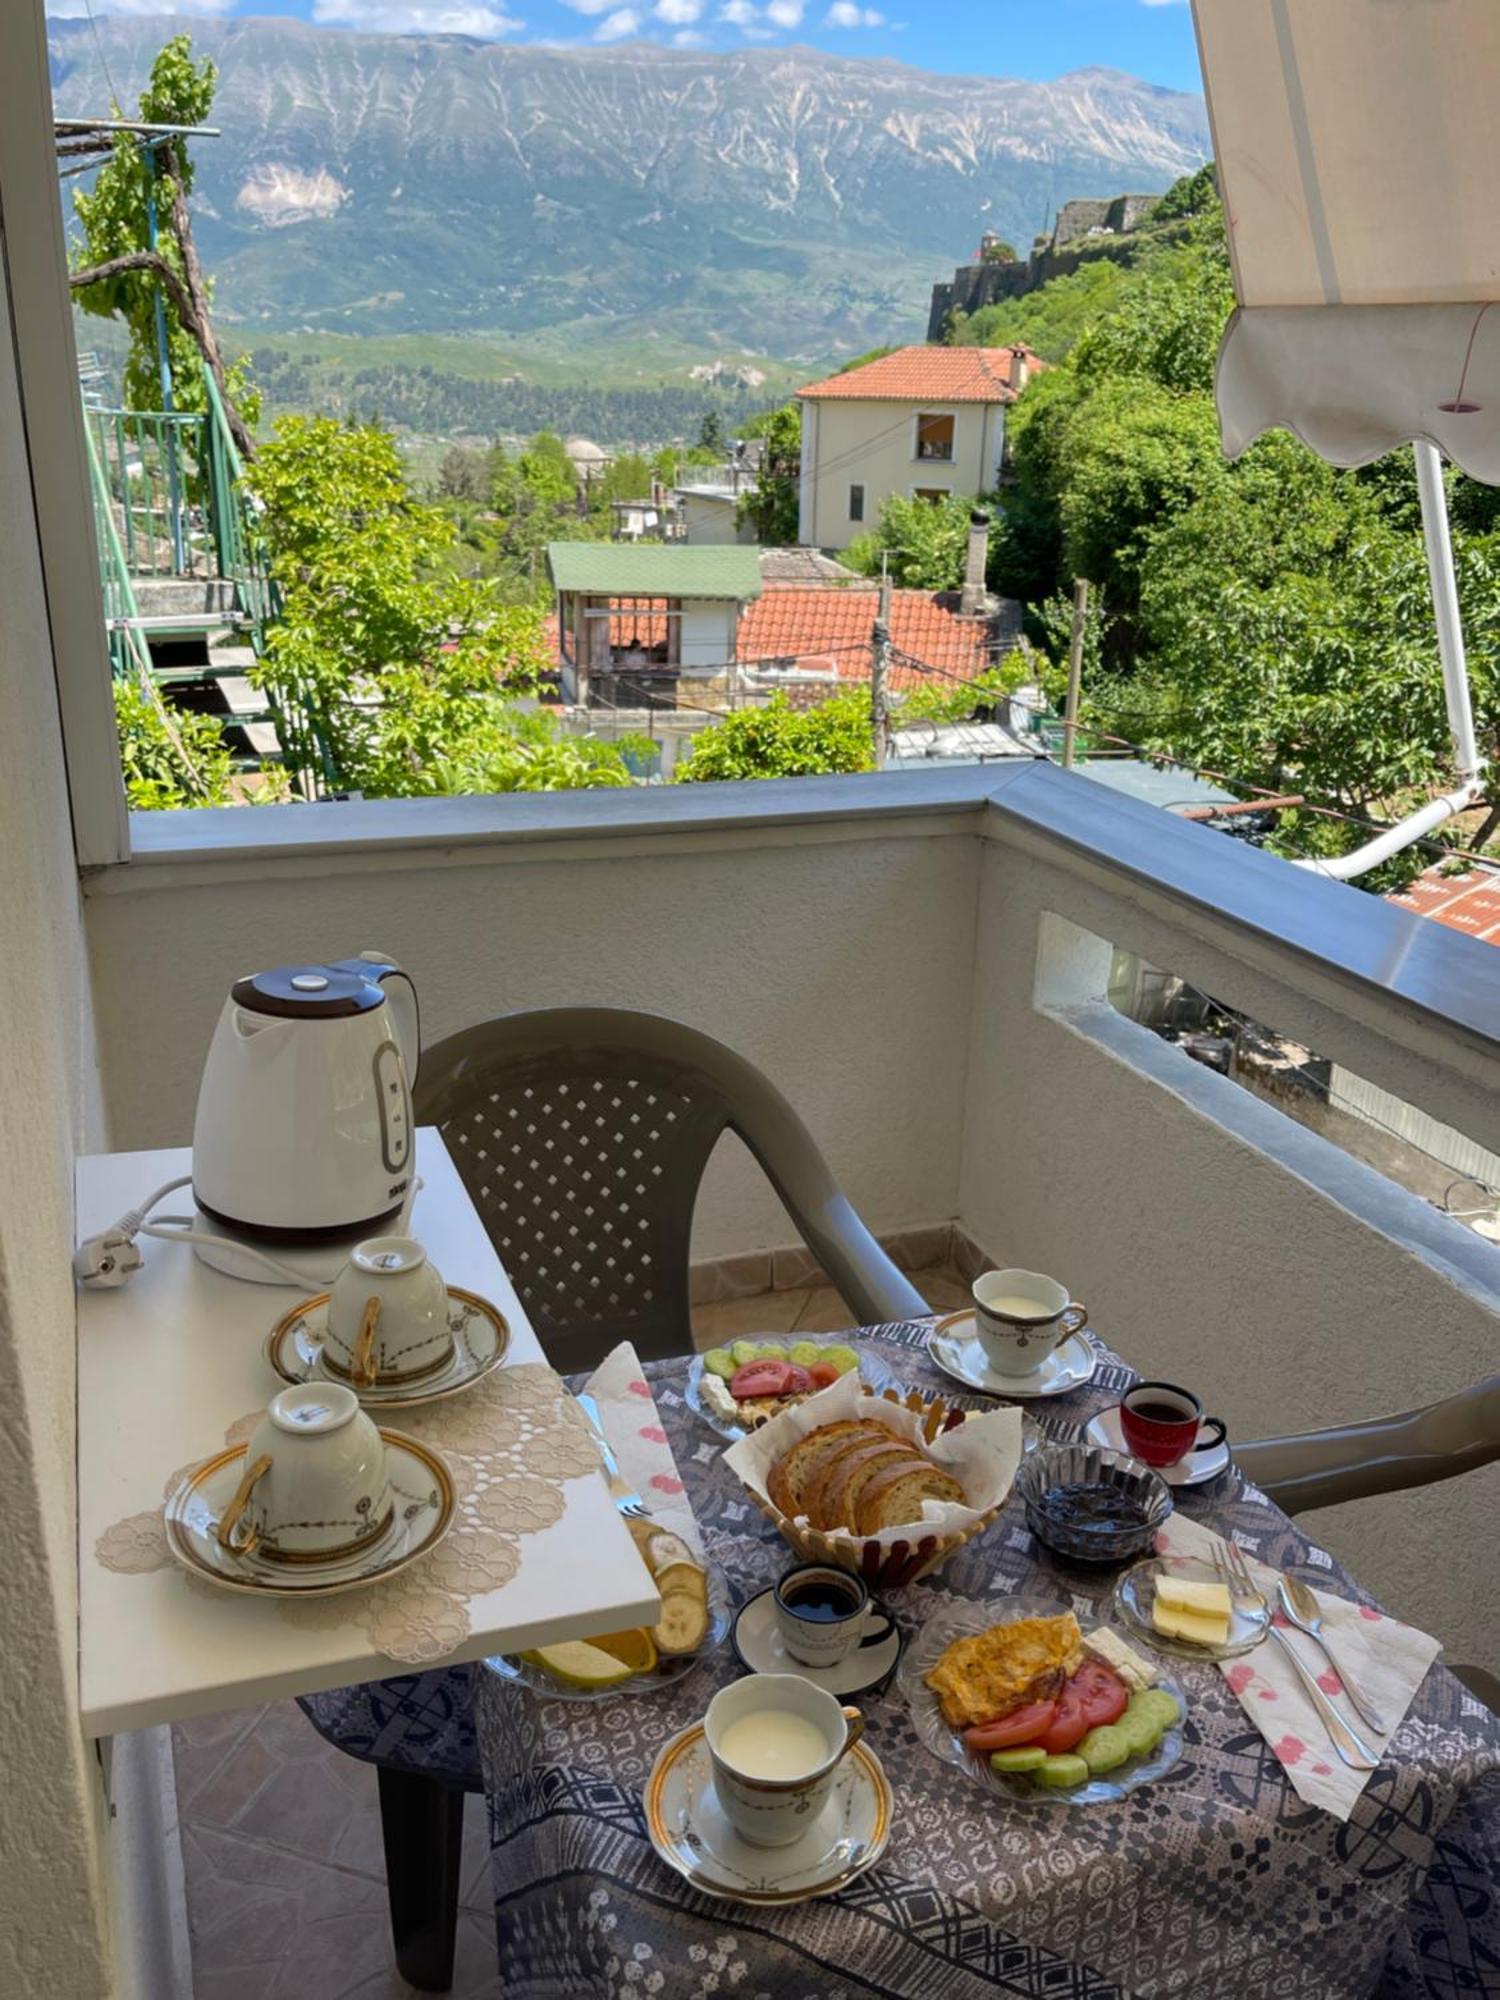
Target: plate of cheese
{"type": "Point", "coordinates": [1183, 1606]}
{"type": "Point", "coordinates": [738, 1388]}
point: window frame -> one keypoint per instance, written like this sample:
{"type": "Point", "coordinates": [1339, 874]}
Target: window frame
{"type": "Point", "coordinates": [934, 496]}
{"type": "Point", "coordinates": [857, 501]}
{"type": "Point", "coordinates": [929, 417]}
{"type": "Point", "coordinates": [41, 326]}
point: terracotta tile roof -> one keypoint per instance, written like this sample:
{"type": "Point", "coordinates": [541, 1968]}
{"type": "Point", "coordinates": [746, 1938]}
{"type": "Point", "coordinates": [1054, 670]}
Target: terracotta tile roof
{"type": "Point", "coordinates": [929, 374]}
{"type": "Point", "coordinates": [1469, 902]}
{"type": "Point", "coordinates": [829, 630]}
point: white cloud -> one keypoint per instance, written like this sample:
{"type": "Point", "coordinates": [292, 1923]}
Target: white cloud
{"type": "Point", "coordinates": [785, 13]}
{"type": "Point", "coordinates": [679, 13]}
{"type": "Point", "coordinates": [615, 27]}
{"type": "Point", "coordinates": [845, 14]}
{"type": "Point", "coordinates": [66, 10]}
{"type": "Point", "coordinates": [479, 18]}
{"type": "Point", "coordinates": [689, 38]}
{"type": "Point", "coordinates": [738, 13]}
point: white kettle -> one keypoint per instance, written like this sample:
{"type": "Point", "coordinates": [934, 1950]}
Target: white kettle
{"type": "Point", "coordinates": [304, 1126]}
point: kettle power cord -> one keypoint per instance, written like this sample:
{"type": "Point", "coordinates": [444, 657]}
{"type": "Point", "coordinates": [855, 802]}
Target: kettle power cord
{"type": "Point", "coordinates": [113, 1256]}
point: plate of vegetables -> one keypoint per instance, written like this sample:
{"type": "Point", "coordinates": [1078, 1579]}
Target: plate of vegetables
{"type": "Point", "coordinates": [736, 1389]}
{"type": "Point", "coordinates": [1038, 1709]}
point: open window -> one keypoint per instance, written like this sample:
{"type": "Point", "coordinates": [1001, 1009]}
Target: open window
{"type": "Point", "coordinates": [935, 438]}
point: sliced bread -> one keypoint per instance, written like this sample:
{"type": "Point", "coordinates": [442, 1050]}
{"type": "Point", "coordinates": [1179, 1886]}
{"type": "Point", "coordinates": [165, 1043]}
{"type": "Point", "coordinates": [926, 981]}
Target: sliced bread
{"type": "Point", "coordinates": [834, 1499]}
{"type": "Point", "coordinates": [893, 1497]}
{"type": "Point", "coordinates": [791, 1477]}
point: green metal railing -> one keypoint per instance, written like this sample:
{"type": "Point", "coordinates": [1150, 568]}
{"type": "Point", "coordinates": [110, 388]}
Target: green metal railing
{"type": "Point", "coordinates": [150, 463]}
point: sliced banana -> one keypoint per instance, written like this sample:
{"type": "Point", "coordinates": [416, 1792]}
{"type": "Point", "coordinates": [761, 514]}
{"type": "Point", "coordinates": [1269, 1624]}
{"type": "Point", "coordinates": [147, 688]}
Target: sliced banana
{"type": "Point", "coordinates": [685, 1577]}
{"type": "Point", "coordinates": [683, 1625]}
{"type": "Point", "coordinates": [664, 1548]}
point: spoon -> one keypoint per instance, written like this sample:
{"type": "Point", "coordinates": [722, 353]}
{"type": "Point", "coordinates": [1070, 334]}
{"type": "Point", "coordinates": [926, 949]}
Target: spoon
{"type": "Point", "coordinates": [1303, 1611]}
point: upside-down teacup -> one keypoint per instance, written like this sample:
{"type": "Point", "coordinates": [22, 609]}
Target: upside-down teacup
{"type": "Point", "coordinates": [387, 1315]}
{"type": "Point", "coordinates": [1020, 1316]}
{"type": "Point", "coordinates": [315, 1486]}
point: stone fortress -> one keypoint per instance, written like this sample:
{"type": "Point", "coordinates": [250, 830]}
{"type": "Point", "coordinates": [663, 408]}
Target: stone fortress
{"type": "Point", "coordinates": [1094, 228]}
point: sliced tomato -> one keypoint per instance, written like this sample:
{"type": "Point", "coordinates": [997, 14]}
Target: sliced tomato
{"type": "Point", "coordinates": [801, 1381]}
{"type": "Point", "coordinates": [1022, 1725]}
{"type": "Point", "coordinates": [823, 1374]}
{"type": "Point", "coordinates": [760, 1378]}
{"type": "Point", "coordinates": [1071, 1723]}
{"type": "Point", "coordinates": [1103, 1694]}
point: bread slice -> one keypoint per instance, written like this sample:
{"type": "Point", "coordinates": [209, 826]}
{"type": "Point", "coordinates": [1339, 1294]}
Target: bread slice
{"type": "Point", "coordinates": [834, 1499]}
{"type": "Point", "coordinates": [893, 1497]}
{"type": "Point", "coordinates": [791, 1477]}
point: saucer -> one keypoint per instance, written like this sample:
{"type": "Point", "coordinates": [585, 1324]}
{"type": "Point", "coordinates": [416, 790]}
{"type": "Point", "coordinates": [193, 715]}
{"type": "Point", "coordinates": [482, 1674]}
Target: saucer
{"type": "Point", "coordinates": [480, 1339]}
{"type": "Point", "coordinates": [425, 1504]}
{"type": "Point", "coordinates": [757, 1643]}
{"type": "Point", "coordinates": [958, 1353]}
{"type": "Point", "coordinates": [1195, 1470]}
{"type": "Point", "coordinates": [688, 1828]}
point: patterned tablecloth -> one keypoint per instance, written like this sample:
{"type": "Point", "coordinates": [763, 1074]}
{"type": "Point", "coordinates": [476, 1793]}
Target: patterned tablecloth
{"type": "Point", "coordinates": [1216, 1881]}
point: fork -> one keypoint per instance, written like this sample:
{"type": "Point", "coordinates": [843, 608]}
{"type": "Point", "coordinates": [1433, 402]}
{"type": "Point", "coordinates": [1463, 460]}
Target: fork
{"type": "Point", "coordinates": [1244, 1590]}
{"type": "Point", "coordinates": [627, 1503]}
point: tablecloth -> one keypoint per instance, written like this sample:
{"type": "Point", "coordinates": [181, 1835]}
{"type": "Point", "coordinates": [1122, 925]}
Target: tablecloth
{"type": "Point", "coordinates": [1217, 1881]}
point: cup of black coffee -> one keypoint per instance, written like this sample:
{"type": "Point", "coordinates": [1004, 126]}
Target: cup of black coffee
{"type": "Point", "coordinates": [824, 1614]}
{"type": "Point", "coordinates": [1162, 1424]}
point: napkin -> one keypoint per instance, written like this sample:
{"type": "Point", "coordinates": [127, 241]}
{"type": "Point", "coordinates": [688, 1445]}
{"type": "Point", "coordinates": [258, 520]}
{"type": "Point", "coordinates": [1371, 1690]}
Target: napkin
{"type": "Point", "coordinates": [1390, 1659]}
{"type": "Point", "coordinates": [638, 1439]}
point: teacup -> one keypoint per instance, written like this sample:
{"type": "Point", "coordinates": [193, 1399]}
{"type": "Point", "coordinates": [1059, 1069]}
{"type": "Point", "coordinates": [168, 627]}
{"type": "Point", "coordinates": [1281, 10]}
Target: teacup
{"type": "Point", "coordinates": [1162, 1424]}
{"type": "Point", "coordinates": [387, 1315]}
{"type": "Point", "coordinates": [825, 1614]}
{"type": "Point", "coordinates": [315, 1486]}
{"type": "Point", "coordinates": [775, 1742]}
{"type": "Point", "coordinates": [1020, 1316]}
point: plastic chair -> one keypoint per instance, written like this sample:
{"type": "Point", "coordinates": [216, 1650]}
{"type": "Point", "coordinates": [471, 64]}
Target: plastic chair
{"type": "Point", "coordinates": [1389, 1455]}
{"type": "Point", "coordinates": [582, 1134]}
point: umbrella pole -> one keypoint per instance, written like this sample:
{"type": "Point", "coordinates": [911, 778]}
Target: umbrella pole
{"type": "Point", "coordinates": [1450, 634]}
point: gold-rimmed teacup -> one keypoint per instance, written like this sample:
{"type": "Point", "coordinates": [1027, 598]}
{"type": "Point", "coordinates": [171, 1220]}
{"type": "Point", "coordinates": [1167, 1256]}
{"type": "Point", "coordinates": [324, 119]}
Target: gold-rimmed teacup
{"type": "Point", "coordinates": [387, 1315]}
{"type": "Point", "coordinates": [315, 1486]}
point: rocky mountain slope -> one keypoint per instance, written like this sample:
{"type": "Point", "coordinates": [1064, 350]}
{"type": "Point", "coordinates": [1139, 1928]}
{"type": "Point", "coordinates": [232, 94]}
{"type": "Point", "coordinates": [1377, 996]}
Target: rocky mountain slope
{"type": "Point", "coordinates": [785, 200]}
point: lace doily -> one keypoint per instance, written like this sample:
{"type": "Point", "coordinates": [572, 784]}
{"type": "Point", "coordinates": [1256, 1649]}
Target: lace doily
{"type": "Point", "coordinates": [512, 1443]}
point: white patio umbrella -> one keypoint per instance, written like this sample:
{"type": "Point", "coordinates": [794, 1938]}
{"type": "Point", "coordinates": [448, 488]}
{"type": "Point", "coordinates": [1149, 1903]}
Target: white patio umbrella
{"type": "Point", "coordinates": [1358, 150]}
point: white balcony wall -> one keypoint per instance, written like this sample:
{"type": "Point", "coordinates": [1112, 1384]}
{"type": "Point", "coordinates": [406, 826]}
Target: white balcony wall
{"type": "Point", "coordinates": [873, 944]}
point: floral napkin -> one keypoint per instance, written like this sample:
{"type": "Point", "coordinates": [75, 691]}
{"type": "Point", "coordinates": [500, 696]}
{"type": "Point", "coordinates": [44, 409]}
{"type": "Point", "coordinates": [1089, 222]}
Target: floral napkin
{"type": "Point", "coordinates": [1390, 1659]}
{"type": "Point", "coordinates": [628, 1414]}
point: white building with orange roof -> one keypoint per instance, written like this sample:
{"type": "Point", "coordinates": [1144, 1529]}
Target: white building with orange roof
{"type": "Point", "coordinates": [923, 422]}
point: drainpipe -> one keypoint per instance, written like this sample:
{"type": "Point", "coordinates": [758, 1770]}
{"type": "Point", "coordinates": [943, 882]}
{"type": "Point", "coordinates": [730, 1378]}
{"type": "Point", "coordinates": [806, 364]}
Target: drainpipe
{"type": "Point", "coordinates": [1471, 766]}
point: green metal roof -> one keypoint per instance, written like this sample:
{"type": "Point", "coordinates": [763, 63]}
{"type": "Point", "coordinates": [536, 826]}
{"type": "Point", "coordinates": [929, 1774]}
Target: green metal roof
{"type": "Point", "coordinates": [654, 569]}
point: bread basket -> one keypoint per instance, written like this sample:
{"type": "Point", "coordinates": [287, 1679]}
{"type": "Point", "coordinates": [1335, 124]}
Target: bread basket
{"type": "Point", "coordinates": [885, 1565]}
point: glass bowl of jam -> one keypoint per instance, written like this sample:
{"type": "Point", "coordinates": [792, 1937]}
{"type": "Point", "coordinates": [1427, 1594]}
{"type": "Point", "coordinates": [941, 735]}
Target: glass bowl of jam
{"type": "Point", "coordinates": [1090, 1504]}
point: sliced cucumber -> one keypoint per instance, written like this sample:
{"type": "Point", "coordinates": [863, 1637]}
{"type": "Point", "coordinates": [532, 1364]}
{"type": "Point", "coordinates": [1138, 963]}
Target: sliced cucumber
{"type": "Point", "coordinates": [719, 1361]}
{"type": "Point", "coordinates": [742, 1351]}
{"type": "Point", "coordinates": [804, 1353]}
{"type": "Point", "coordinates": [770, 1350]}
{"type": "Point", "coordinates": [843, 1358]}
{"type": "Point", "coordinates": [1161, 1706]}
{"type": "Point", "coordinates": [1105, 1748]}
{"type": "Point", "coordinates": [1025, 1757]}
{"type": "Point", "coordinates": [1061, 1772]}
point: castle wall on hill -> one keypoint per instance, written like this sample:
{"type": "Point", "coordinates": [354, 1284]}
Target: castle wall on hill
{"type": "Point", "coordinates": [1084, 229]}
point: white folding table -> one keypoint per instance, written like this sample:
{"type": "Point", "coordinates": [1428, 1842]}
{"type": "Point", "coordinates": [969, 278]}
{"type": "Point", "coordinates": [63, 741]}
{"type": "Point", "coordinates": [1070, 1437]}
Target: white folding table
{"type": "Point", "coordinates": [171, 1359]}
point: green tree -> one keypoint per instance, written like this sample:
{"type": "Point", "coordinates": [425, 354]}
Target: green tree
{"type": "Point", "coordinates": [923, 543]}
{"type": "Point", "coordinates": [118, 273]}
{"type": "Point", "coordinates": [410, 671]}
{"type": "Point", "coordinates": [462, 475]}
{"type": "Point", "coordinates": [711, 432]}
{"type": "Point", "coordinates": [772, 505]}
{"type": "Point", "coordinates": [779, 741]}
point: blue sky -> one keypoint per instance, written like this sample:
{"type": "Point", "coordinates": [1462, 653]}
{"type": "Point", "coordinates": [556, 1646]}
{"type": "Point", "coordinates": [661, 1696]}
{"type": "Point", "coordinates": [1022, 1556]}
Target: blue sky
{"type": "Point", "coordinates": [1037, 38]}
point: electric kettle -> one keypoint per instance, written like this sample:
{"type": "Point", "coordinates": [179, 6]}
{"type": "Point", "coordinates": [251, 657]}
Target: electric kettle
{"type": "Point", "coordinates": [304, 1124]}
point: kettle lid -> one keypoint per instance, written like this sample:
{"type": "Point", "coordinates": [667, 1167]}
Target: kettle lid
{"type": "Point", "coordinates": [307, 992]}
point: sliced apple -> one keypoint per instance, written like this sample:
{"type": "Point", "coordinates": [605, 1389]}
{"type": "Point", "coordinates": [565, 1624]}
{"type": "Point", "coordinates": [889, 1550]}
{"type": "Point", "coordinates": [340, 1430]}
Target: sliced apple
{"type": "Point", "coordinates": [577, 1663]}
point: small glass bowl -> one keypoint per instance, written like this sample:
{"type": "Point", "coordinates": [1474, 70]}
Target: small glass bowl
{"type": "Point", "coordinates": [1084, 1540]}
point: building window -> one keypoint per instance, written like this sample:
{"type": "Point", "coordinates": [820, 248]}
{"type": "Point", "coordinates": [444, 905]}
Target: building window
{"type": "Point", "coordinates": [856, 503]}
{"type": "Point", "coordinates": [935, 437]}
{"type": "Point", "coordinates": [933, 495]}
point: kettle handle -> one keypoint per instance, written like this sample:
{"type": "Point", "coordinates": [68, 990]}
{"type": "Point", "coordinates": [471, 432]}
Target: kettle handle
{"type": "Point", "coordinates": [383, 970]}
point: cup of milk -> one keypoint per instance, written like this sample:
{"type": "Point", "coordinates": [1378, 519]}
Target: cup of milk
{"type": "Point", "coordinates": [1020, 1316]}
{"type": "Point", "coordinates": [775, 1741]}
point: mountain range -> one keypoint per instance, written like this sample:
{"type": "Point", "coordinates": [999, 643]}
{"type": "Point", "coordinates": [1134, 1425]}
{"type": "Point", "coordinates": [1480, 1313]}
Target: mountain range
{"type": "Point", "coordinates": [789, 202]}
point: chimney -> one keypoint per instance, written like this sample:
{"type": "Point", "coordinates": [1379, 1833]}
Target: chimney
{"type": "Point", "coordinates": [1020, 367]}
{"type": "Point", "coordinates": [975, 600]}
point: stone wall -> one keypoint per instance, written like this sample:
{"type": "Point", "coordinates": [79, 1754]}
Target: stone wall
{"type": "Point", "coordinates": [1084, 229]}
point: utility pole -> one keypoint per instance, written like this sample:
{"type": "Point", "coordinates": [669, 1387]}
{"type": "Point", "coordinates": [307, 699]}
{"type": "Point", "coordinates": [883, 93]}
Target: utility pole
{"type": "Point", "coordinates": [880, 642]}
{"type": "Point", "coordinates": [1075, 671]}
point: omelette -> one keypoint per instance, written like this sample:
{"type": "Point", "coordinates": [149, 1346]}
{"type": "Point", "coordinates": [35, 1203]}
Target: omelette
{"type": "Point", "coordinates": [988, 1674]}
